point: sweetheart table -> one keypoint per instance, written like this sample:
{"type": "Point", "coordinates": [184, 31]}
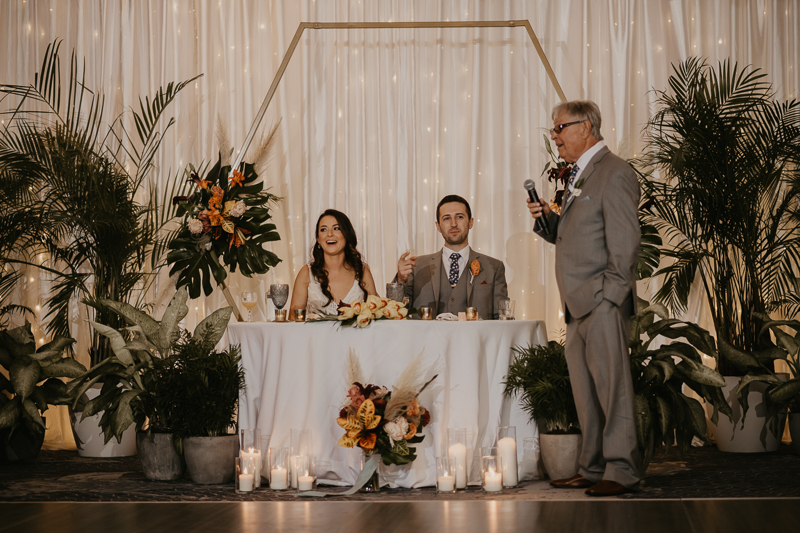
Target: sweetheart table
{"type": "Point", "coordinates": [295, 376]}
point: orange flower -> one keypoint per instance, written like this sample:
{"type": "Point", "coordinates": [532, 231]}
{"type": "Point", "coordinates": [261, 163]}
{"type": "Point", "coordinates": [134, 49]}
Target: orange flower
{"type": "Point", "coordinates": [475, 267]}
{"type": "Point", "coordinates": [214, 217]}
{"type": "Point", "coordinates": [412, 430]}
{"type": "Point", "coordinates": [216, 199]}
{"type": "Point", "coordinates": [237, 178]}
{"type": "Point", "coordinates": [203, 184]}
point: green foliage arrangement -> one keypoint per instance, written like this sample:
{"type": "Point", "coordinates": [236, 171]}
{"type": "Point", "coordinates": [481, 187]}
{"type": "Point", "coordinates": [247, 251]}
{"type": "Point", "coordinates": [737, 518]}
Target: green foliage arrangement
{"type": "Point", "coordinates": [144, 358]}
{"type": "Point", "coordinates": [539, 376]}
{"type": "Point", "coordinates": [35, 379]}
{"type": "Point", "coordinates": [72, 190]}
{"type": "Point", "coordinates": [665, 416]}
{"type": "Point", "coordinates": [202, 388]}
{"type": "Point", "coordinates": [727, 201]}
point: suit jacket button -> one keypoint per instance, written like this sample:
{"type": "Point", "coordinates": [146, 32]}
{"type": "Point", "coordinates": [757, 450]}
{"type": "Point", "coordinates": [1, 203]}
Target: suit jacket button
{"type": "Point", "coordinates": [558, 239]}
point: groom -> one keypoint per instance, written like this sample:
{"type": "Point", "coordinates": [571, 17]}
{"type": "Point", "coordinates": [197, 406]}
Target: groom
{"type": "Point", "coordinates": [455, 277]}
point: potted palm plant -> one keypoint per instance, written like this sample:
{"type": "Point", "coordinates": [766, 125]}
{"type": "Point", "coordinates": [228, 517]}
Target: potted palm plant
{"type": "Point", "coordinates": [725, 199]}
{"type": "Point", "coordinates": [77, 190]}
{"type": "Point", "coordinates": [538, 375]}
{"type": "Point", "coordinates": [203, 389]}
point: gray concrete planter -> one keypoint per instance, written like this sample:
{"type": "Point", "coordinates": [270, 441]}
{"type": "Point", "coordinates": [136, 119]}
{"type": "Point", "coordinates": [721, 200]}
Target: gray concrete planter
{"type": "Point", "coordinates": [210, 460]}
{"type": "Point", "coordinates": [160, 461]}
{"type": "Point", "coordinates": [560, 454]}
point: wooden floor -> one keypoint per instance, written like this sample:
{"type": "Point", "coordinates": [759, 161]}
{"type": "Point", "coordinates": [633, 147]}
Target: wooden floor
{"type": "Point", "coordinates": [695, 516]}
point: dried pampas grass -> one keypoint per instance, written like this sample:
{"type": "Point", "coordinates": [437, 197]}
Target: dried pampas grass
{"type": "Point", "coordinates": [354, 372]}
{"type": "Point", "coordinates": [410, 383]}
{"type": "Point", "coordinates": [263, 152]}
{"type": "Point", "coordinates": [223, 142]}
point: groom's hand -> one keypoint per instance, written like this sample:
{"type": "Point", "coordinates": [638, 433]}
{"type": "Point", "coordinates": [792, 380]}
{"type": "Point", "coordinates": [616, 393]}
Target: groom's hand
{"type": "Point", "coordinates": [405, 265]}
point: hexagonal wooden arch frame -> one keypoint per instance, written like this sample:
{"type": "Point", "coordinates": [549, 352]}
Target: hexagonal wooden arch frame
{"type": "Point", "coordinates": [386, 25]}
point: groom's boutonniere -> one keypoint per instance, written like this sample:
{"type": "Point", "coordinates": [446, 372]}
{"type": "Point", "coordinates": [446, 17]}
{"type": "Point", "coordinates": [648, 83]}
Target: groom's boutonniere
{"type": "Point", "coordinates": [579, 184]}
{"type": "Point", "coordinates": [575, 193]}
{"type": "Point", "coordinates": [474, 269]}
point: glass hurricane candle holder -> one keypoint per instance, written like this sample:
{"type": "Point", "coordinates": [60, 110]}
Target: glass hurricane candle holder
{"type": "Point", "coordinates": [279, 468]}
{"type": "Point", "coordinates": [426, 313]}
{"type": "Point", "coordinates": [507, 451]}
{"type": "Point", "coordinates": [457, 454]}
{"type": "Point", "coordinates": [280, 315]}
{"type": "Point", "coordinates": [492, 473]}
{"type": "Point", "coordinates": [445, 475]}
{"type": "Point", "coordinates": [250, 448]}
{"type": "Point", "coordinates": [245, 474]}
{"type": "Point", "coordinates": [305, 472]}
{"type": "Point", "coordinates": [299, 315]}
{"type": "Point", "coordinates": [472, 313]}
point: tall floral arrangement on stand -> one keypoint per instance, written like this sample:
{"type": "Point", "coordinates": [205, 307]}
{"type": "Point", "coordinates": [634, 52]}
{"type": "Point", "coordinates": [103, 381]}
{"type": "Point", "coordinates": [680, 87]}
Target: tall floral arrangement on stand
{"type": "Point", "coordinates": [226, 221]}
{"type": "Point", "coordinates": [382, 421]}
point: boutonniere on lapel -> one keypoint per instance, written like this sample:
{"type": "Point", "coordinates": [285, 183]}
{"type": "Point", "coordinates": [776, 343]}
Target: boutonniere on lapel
{"type": "Point", "coordinates": [474, 269]}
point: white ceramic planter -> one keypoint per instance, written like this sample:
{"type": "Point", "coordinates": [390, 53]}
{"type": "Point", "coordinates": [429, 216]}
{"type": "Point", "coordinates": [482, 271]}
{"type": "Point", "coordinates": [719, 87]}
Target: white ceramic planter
{"type": "Point", "coordinates": [560, 454]}
{"type": "Point", "coordinates": [89, 436]}
{"type": "Point", "coordinates": [756, 435]}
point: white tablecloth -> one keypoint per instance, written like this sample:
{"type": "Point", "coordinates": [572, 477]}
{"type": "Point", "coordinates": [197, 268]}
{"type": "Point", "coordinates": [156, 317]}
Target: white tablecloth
{"type": "Point", "coordinates": [296, 378]}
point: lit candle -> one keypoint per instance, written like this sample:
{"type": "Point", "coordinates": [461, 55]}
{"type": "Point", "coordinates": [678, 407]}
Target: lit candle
{"type": "Point", "coordinates": [507, 451]}
{"type": "Point", "coordinates": [305, 482]}
{"type": "Point", "coordinates": [255, 456]}
{"type": "Point", "coordinates": [245, 482]}
{"type": "Point", "coordinates": [279, 479]}
{"type": "Point", "coordinates": [458, 458]}
{"type": "Point", "coordinates": [446, 483]}
{"type": "Point", "coordinates": [492, 481]}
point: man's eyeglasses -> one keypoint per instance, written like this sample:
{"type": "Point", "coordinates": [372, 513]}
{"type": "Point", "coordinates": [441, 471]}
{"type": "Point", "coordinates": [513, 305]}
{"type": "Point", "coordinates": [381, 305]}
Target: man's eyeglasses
{"type": "Point", "coordinates": [558, 129]}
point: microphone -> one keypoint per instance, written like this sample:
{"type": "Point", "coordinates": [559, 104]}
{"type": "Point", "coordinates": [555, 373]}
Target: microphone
{"type": "Point", "coordinates": [541, 222]}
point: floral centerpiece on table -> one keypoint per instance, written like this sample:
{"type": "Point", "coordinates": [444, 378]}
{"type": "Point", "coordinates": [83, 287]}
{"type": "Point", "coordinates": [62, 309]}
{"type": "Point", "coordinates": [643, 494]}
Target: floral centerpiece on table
{"type": "Point", "coordinates": [225, 221]}
{"type": "Point", "coordinates": [557, 170]}
{"type": "Point", "coordinates": [361, 314]}
{"type": "Point", "coordinates": [383, 421]}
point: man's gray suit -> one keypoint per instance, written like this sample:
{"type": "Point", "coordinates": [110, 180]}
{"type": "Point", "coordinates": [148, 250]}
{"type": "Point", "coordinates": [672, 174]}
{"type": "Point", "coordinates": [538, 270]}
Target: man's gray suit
{"type": "Point", "coordinates": [424, 284]}
{"type": "Point", "coordinates": [597, 240]}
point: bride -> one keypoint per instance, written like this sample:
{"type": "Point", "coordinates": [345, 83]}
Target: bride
{"type": "Point", "coordinates": [336, 273]}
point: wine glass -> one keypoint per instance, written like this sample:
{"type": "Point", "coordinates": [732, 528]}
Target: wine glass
{"type": "Point", "coordinates": [249, 300]}
{"type": "Point", "coordinates": [279, 292]}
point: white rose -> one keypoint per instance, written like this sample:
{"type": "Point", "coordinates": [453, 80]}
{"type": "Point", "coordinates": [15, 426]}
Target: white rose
{"type": "Point", "coordinates": [195, 226]}
{"type": "Point", "coordinates": [396, 429]}
{"type": "Point", "coordinates": [238, 209]}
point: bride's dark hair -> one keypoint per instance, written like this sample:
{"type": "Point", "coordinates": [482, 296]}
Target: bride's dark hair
{"type": "Point", "coordinates": [352, 257]}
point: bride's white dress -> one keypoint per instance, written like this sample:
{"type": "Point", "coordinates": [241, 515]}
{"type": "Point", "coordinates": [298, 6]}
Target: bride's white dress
{"type": "Point", "coordinates": [317, 300]}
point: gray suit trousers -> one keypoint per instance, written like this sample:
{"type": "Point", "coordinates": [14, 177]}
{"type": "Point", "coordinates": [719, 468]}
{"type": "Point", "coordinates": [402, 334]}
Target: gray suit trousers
{"type": "Point", "coordinates": [599, 368]}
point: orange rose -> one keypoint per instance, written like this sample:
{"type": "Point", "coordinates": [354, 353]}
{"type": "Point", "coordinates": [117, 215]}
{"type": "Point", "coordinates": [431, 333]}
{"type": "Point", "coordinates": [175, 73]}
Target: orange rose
{"type": "Point", "coordinates": [475, 267]}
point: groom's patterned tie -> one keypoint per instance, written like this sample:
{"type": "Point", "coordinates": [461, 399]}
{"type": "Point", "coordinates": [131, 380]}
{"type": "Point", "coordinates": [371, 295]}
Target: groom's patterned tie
{"type": "Point", "coordinates": [453, 277]}
{"type": "Point", "coordinates": [571, 184]}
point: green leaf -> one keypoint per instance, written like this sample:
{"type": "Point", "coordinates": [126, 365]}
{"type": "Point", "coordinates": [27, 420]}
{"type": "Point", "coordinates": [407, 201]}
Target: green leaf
{"type": "Point", "coordinates": [122, 416]}
{"type": "Point", "coordinates": [65, 367]}
{"type": "Point", "coordinates": [213, 327]}
{"type": "Point", "coordinates": [644, 421]}
{"type": "Point", "coordinates": [9, 413]}
{"type": "Point", "coordinates": [33, 413]}
{"type": "Point", "coordinates": [24, 374]}
{"type": "Point", "coordinates": [118, 344]}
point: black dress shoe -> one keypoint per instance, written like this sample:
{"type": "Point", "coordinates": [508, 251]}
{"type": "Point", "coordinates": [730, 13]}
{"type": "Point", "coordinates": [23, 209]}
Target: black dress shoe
{"type": "Point", "coordinates": [607, 488]}
{"type": "Point", "coordinates": [575, 482]}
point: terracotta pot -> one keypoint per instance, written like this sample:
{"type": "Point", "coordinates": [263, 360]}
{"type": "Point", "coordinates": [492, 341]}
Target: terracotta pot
{"type": "Point", "coordinates": [210, 460]}
{"type": "Point", "coordinates": [560, 454]}
{"type": "Point", "coordinates": [160, 460]}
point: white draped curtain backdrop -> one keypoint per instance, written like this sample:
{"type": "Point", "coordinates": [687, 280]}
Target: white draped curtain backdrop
{"type": "Point", "coordinates": [381, 124]}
